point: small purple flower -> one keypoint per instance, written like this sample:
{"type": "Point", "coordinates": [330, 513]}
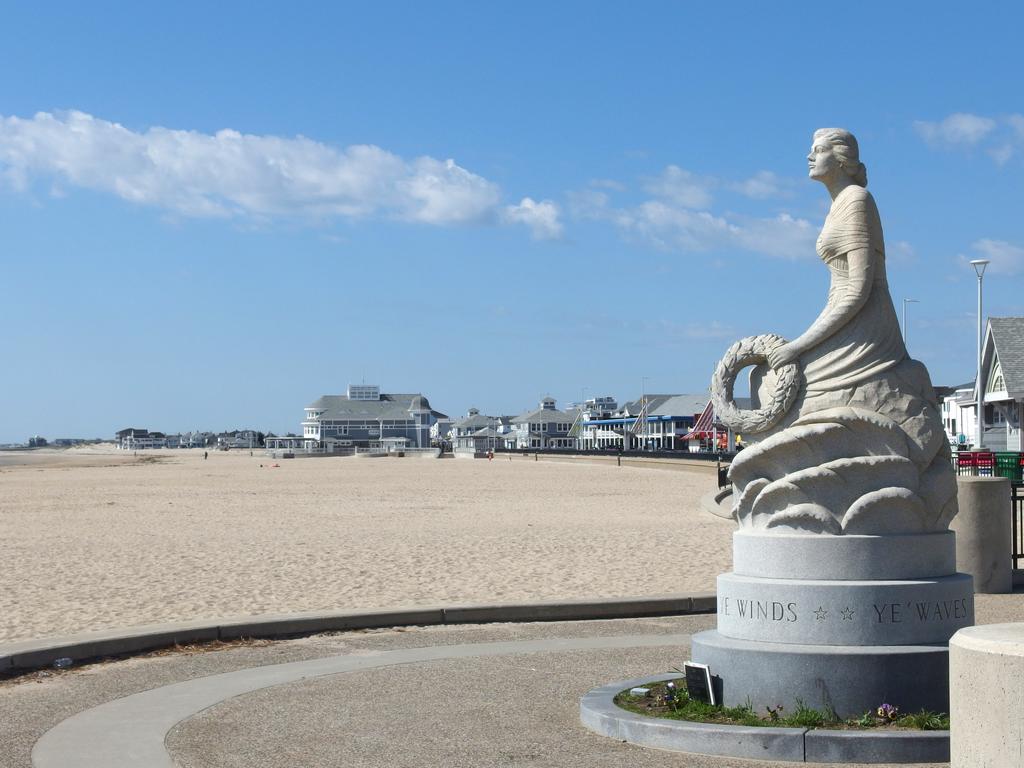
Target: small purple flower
{"type": "Point", "coordinates": [887, 711]}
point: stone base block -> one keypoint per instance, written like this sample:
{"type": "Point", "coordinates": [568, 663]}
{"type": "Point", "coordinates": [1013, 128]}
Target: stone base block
{"type": "Point", "coordinates": [984, 531]}
{"type": "Point", "coordinates": [918, 612]}
{"type": "Point", "coordinates": [853, 557]}
{"type": "Point", "coordinates": [847, 679]}
{"type": "Point", "coordinates": [986, 708]}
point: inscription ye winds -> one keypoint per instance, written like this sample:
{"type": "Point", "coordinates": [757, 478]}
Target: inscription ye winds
{"type": "Point", "coordinates": [760, 610]}
{"type": "Point", "coordinates": [883, 613]}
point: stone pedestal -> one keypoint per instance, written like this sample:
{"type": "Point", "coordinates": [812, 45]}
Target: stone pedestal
{"type": "Point", "coordinates": [984, 539]}
{"type": "Point", "coordinates": [840, 623]}
{"type": "Point", "coordinates": [986, 703]}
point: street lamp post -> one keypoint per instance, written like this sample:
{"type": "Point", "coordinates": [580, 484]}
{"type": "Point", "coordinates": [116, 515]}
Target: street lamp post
{"type": "Point", "coordinates": [643, 412]}
{"type": "Point", "coordinates": [979, 269]}
{"type": "Point", "coordinates": [905, 333]}
{"type": "Point", "coordinates": [583, 401]}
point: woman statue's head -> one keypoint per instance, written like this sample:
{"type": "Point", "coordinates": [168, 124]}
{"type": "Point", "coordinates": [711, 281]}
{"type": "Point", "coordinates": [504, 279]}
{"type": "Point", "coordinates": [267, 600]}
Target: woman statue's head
{"type": "Point", "coordinates": [835, 149]}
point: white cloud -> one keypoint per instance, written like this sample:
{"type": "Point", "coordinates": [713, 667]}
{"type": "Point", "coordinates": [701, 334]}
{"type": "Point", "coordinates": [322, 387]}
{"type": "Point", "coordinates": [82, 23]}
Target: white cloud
{"type": "Point", "coordinates": [1001, 137]}
{"type": "Point", "coordinates": [1016, 122]}
{"type": "Point", "coordinates": [681, 187]}
{"type": "Point", "coordinates": [676, 218]}
{"type": "Point", "coordinates": [442, 193]}
{"type": "Point", "coordinates": [679, 229]}
{"type": "Point", "coordinates": [230, 174]}
{"type": "Point", "coordinates": [1006, 258]}
{"type": "Point", "coordinates": [900, 251]}
{"type": "Point", "coordinates": [1002, 154]}
{"type": "Point", "coordinates": [541, 217]}
{"type": "Point", "coordinates": [958, 128]}
{"type": "Point", "coordinates": [588, 204]}
{"type": "Point", "coordinates": [763, 185]}
{"type": "Point", "coordinates": [782, 235]}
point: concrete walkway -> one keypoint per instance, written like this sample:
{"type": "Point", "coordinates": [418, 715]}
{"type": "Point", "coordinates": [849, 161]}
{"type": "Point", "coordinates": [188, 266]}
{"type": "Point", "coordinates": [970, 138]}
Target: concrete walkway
{"type": "Point", "coordinates": [465, 695]}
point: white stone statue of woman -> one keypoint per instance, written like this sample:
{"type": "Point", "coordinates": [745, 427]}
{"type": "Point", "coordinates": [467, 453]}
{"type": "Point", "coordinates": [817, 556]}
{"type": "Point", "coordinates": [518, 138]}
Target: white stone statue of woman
{"type": "Point", "coordinates": [857, 446]}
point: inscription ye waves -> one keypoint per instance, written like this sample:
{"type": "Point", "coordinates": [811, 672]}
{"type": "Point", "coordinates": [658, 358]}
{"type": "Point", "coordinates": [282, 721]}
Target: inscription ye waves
{"type": "Point", "coordinates": [884, 613]}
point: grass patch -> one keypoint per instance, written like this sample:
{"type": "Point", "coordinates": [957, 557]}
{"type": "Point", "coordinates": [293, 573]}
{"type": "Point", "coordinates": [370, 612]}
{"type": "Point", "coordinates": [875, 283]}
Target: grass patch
{"type": "Point", "coordinates": [672, 702]}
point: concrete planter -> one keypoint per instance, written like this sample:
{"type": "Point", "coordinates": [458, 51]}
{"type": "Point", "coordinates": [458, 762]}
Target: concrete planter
{"type": "Point", "coordinates": [599, 713]}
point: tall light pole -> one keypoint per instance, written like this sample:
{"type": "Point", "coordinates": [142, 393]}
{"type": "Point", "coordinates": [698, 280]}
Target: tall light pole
{"type": "Point", "coordinates": [979, 269]}
{"type": "Point", "coordinates": [643, 402]}
{"type": "Point", "coordinates": [583, 402]}
{"type": "Point", "coordinates": [905, 302]}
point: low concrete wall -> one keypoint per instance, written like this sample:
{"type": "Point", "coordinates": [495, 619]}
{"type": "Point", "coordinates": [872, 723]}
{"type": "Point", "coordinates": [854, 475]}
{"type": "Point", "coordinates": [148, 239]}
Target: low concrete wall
{"type": "Point", "coordinates": [626, 461]}
{"type": "Point", "coordinates": [983, 527]}
{"type": "Point", "coordinates": [32, 654]}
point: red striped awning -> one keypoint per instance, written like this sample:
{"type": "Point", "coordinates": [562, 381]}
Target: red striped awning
{"type": "Point", "coordinates": [705, 423]}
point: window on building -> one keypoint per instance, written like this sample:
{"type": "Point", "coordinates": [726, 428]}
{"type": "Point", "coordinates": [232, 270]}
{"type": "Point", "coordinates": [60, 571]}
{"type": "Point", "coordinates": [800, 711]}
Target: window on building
{"type": "Point", "coordinates": [995, 379]}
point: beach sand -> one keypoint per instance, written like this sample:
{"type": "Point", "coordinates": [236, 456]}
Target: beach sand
{"type": "Point", "coordinates": [95, 540]}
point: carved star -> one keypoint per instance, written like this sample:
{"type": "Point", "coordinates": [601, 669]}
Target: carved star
{"type": "Point", "coordinates": [820, 614]}
{"type": "Point", "coordinates": [847, 614]}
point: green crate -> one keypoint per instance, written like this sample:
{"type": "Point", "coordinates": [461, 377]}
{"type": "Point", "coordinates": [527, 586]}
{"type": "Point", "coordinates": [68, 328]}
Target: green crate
{"type": "Point", "coordinates": [1008, 465]}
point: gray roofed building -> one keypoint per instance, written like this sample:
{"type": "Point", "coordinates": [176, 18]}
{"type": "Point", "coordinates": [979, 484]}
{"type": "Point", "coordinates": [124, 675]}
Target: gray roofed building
{"type": "Point", "coordinates": [473, 421]}
{"type": "Point", "coordinates": [544, 427]}
{"type": "Point", "coordinates": [545, 416]}
{"type": "Point", "coordinates": [389, 406]}
{"type": "Point", "coordinates": [1008, 345]}
{"type": "Point", "coordinates": [1002, 384]}
{"type": "Point", "coordinates": [681, 405]}
{"type": "Point", "coordinates": [364, 416]}
{"type": "Point", "coordinates": [632, 407]}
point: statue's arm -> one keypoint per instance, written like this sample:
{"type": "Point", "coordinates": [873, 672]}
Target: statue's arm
{"type": "Point", "coordinates": [837, 313]}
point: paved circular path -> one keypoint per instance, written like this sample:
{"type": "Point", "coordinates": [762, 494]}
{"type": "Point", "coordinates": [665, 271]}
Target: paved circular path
{"type": "Point", "coordinates": [130, 731]}
{"type": "Point", "coordinates": [468, 695]}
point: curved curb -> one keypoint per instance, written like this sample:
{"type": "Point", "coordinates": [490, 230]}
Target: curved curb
{"type": "Point", "coordinates": [16, 658]}
{"type": "Point", "coordinates": [599, 713]}
{"type": "Point", "coordinates": [712, 503]}
{"type": "Point", "coordinates": [131, 731]}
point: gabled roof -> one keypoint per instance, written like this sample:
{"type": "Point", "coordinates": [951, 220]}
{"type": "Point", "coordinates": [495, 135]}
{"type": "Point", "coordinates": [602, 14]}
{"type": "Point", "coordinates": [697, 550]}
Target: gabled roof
{"type": "Point", "coordinates": [339, 407]}
{"type": "Point", "coordinates": [632, 407]}
{"type": "Point", "coordinates": [545, 416]}
{"type": "Point", "coordinates": [1007, 335]}
{"type": "Point", "coordinates": [476, 421]}
{"type": "Point", "coordinates": [681, 405]}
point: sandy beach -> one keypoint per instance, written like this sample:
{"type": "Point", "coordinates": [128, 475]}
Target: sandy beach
{"type": "Point", "coordinates": [96, 540]}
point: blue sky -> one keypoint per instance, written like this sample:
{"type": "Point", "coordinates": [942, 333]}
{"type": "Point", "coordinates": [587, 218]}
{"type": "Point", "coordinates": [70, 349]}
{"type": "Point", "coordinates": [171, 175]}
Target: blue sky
{"type": "Point", "coordinates": [211, 214]}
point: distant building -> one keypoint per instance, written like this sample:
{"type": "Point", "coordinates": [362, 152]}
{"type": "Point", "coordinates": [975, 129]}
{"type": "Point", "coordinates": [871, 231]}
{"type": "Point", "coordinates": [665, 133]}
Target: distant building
{"type": "Point", "coordinates": [957, 406]}
{"type": "Point", "coordinates": [363, 418]}
{"type": "Point", "coordinates": [1002, 384]}
{"type": "Point", "coordinates": [37, 442]}
{"type": "Point", "coordinates": [596, 407]}
{"type": "Point", "coordinates": [668, 419]}
{"type": "Point", "coordinates": [544, 427]}
{"type": "Point", "coordinates": [475, 434]}
{"type": "Point", "coordinates": [240, 438]}
{"type": "Point", "coordinates": [196, 439]}
{"type": "Point", "coordinates": [137, 439]}
{"type": "Point", "coordinates": [1002, 387]}
{"type": "Point", "coordinates": [441, 432]}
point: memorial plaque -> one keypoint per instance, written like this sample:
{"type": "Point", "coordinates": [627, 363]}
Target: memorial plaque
{"type": "Point", "coordinates": [698, 682]}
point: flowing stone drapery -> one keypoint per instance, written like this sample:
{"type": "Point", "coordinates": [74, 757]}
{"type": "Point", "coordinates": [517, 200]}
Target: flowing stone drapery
{"type": "Point", "coordinates": [861, 449]}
